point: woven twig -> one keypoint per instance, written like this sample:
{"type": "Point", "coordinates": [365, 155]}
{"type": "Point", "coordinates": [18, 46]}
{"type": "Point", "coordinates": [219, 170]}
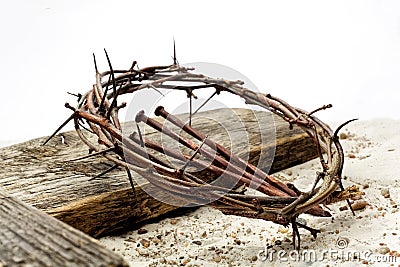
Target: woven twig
{"type": "Point", "coordinates": [279, 203]}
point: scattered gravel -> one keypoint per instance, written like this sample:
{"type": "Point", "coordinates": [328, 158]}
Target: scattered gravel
{"type": "Point", "coordinates": [206, 237]}
{"type": "Point", "coordinates": [385, 192]}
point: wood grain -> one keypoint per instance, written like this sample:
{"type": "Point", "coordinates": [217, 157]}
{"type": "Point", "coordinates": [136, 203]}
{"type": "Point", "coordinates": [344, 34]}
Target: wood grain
{"type": "Point", "coordinates": [46, 178]}
{"type": "Point", "coordinates": [30, 237]}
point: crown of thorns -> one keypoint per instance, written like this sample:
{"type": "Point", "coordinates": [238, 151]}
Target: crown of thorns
{"type": "Point", "coordinates": [278, 202]}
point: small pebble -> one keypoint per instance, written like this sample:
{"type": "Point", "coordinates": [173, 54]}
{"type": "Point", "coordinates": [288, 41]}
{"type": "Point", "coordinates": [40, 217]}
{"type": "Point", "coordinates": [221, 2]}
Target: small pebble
{"type": "Point", "coordinates": [384, 250]}
{"type": "Point", "coordinates": [238, 242]}
{"type": "Point", "coordinates": [174, 221]}
{"type": "Point", "coordinates": [145, 243]}
{"type": "Point", "coordinates": [385, 192]}
{"type": "Point", "coordinates": [394, 253]}
{"type": "Point", "coordinates": [343, 208]}
{"type": "Point", "coordinates": [17, 259]}
{"type": "Point", "coordinates": [352, 156]}
{"type": "Point", "coordinates": [204, 234]}
{"type": "Point", "coordinates": [142, 231]}
{"type": "Point", "coordinates": [283, 230]}
{"type": "Point", "coordinates": [343, 136]}
{"type": "Point", "coordinates": [217, 259]}
{"type": "Point", "coordinates": [365, 186]}
{"type": "Point", "coordinates": [197, 242]}
{"type": "Point", "coordinates": [254, 258]}
{"type": "Point", "coordinates": [359, 205]}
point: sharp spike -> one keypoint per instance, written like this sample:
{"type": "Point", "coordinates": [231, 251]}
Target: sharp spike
{"type": "Point", "coordinates": [114, 102]}
{"type": "Point", "coordinates": [59, 128]}
{"type": "Point", "coordinates": [205, 102]}
{"type": "Point", "coordinates": [95, 63]}
{"type": "Point", "coordinates": [112, 73]}
{"type": "Point", "coordinates": [335, 135]}
{"type": "Point", "coordinates": [175, 60]}
{"type": "Point", "coordinates": [192, 157]}
{"type": "Point", "coordinates": [131, 181]}
{"type": "Point", "coordinates": [95, 154]}
{"type": "Point", "coordinates": [347, 200]}
{"type": "Point", "coordinates": [133, 65]}
{"type": "Point", "coordinates": [140, 135]}
{"type": "Point", "coordinates": [104, 172]}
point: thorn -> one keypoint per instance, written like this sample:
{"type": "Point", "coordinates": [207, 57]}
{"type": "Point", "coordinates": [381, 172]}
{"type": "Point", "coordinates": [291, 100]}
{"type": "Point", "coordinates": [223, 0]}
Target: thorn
{"type": "Point", "coordinates": [319, 109]}
{"type": "Point", "coordinates": [95, 63]}
{"type": "Point", "coordinates": [175, 60]}
{"type": "Point", "coordinates": [95, 154]}
{"type": "Point", "coordinates": [335, 135]}
{"type": "Point", "coordinates": [140, 135]}
{"type": "Point", "coordinates": [113, 103]}
{"type": "Point", "coordinates": [133, 65]}
{"type": "Point", "coordinates": [79, 96]}
{"type": "Point", "coordinates": [101, 107]}
{"type": "Point", "coordinates": [351, 208]}
{"type": "Point", "coordinates": [205, 102]}
{"type": "Point", "coordinates": [295, 234]}
{"type": "Point", "coordinates": [320, 175]}
{"type": "Point", "coordinates": [123, 105]}
{"type": "Point", "coordinates": [313, 231]}
{"type": "Point", "coordinates": [131, 181]}
{"type": "Point", "coordinates": [190, 109]}
{"type": "Point", "coordinates": [104, 172]}
{"type": "Point", "coordinates": [347, 200]}
{"type": "Point", "coordinates": [112, 72]}
{"type": "Point", "coordinates": [80, 123]}
{"type": "Point", "coordinates": [67, 105]}
{"type": "Point", "coordinates": [181, 170]}
{"type": "Point", "coordinates": [155, 89]}
{"type": "Point", "coordinates": [59, 128]}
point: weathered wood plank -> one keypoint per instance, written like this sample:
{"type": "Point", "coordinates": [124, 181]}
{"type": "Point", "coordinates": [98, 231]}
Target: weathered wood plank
{"type": "Point", "coordinates": [45, 176]}
{"type": "Point", "coordinates": [30, 237]}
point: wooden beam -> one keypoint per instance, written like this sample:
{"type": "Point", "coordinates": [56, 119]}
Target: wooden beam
{"type": "Point", "coordinates": [30, 237]}
{"type": "Point", "coordinates": [45, 176]}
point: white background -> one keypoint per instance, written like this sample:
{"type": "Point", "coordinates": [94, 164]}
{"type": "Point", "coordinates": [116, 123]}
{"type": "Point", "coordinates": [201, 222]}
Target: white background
{"type": "Point", "coordinates": [309, 53]}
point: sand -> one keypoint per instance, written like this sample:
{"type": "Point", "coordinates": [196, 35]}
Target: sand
{"type": "Point", "coordinates": [206, 237]}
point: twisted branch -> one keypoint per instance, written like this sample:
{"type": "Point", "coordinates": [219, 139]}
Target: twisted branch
{"type": "Point", "coordinates": [277, 202]}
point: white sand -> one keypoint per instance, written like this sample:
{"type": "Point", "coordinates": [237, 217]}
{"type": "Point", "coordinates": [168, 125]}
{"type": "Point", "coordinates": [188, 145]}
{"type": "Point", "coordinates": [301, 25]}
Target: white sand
{"type": "Point", "coordinates": [206, 237]}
